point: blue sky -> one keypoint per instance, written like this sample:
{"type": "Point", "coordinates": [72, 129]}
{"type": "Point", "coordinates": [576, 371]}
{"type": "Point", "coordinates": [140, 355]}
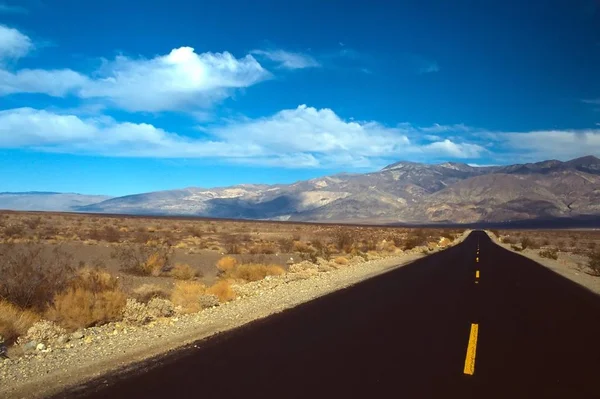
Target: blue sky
{"type": "Point", "coordinates": [119, 97]}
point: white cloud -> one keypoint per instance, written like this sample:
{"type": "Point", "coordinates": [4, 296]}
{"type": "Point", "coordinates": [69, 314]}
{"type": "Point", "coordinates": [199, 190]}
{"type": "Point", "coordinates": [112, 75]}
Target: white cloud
{"type": "Point", "coordinates": [57, 83]}
{"type": "Point", "coordinates": [182, 80]}
{"type": "Point", "coordinates": [297, 138]}
{"type": "Point", "coordinates": [307, 129]}
{"type": "Point", "coordinates": [7, 9]}
{"type": "Point", "coordinates": [13, 44]}
{"type": "Point", "coordinates": [559, 144]}
{"type": "Point", "coordinates": [287, 59]}
{"type": "Point", "coordinates": [455, 150]}
{"type": "Point", "coordinates": [48, 131]}
{"type": "Point", "coordinates": [176, 81]}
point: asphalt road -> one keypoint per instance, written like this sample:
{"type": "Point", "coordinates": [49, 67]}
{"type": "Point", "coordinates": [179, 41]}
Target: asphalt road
{"type": "Point", "coordinates": [409, 333]}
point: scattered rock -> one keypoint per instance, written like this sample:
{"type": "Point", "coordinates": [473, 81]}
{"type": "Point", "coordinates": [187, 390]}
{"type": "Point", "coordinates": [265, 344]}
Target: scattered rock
{"type": "Point", "coordinates": [40, 347]}
{"type": "Point", "coordinates": [77, 335]}
{"type": "Point", "coordinates": [208, 300]}
{"type": "Point", "coordinates": [29, 346]}
{"type": "Point", "coordinates": [136, 312]}
{"type": "Point", "coordinates": [44, 331]}
{"type": "Point", "coordinates": [63, 339]}
{"type": "Point", "coordinates": [158, 307]}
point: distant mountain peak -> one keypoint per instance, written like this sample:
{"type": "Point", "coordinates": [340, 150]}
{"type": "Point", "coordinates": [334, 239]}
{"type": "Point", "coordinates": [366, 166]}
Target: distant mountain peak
{"type": "Point", "coordinates": [586, 160]}
{"type": "Point", "coordinates": [401, 164]}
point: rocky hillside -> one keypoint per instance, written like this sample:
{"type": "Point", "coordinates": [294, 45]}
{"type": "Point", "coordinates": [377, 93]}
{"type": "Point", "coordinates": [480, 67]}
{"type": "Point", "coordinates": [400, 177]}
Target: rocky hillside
{"type": "Point", "coordinates": [402, 192]}
{"type": "Point", "coordinates": [45, 201]}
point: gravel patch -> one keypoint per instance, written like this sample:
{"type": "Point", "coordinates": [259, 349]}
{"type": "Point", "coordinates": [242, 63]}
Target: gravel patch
{"type": "Point", "coordinates": [75, 358]}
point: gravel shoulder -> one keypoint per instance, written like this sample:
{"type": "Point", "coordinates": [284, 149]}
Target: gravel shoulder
{"type": "Point", "coordinates": [568, 265]}
{"type": "Point", "coordinates": [117, 346]}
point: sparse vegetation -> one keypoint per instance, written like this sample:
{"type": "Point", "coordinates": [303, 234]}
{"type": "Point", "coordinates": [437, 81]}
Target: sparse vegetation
{"type": "Point", "coordinates": [222, 289]}
{"type": "Point", "coordinates": [183, 271]}
{"type": "Point", "coordinates": [594, 263]}
{"type": "Point", "coordinates": [14, 321]}
{"type": "Point", "coordinates": [147, 292]}
{"type": "Point", "coordinates": [144, 260]}
{"type": "Point", "coordinates": [31, 276]}
{"type": "Point", "coordinates": [187, 295]}
{"type": "Point", "coordinates": [550, 253]}
{"type": "Point", "coordinates": [79, 271]}
{"type": "Point", "coordinates": [254, 272]}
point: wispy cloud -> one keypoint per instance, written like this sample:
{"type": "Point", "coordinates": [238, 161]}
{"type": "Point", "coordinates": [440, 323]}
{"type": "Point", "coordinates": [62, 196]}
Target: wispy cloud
{"type": "Point", "coordinates": [9, 9]}
{"type": "Point", "coordinates": [288, 59]}
{"type": "Point", "coordinates": [429, 68]}
{"type": "Point", "coordinates": [13, 44]}
{"type": "Point", "coordinates": [421, 65]}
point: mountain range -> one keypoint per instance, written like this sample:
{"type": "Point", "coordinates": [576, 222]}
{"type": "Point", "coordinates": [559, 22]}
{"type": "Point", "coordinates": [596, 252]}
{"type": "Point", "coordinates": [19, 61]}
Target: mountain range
{"type": "Point", "coordinates": [403, 192]}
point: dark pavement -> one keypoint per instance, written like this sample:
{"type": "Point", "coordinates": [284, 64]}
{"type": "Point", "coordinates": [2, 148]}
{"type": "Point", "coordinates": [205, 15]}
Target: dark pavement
{"type": "Point", "coordinates": [403, 334]}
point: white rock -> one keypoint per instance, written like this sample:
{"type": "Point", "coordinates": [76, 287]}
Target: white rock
{"type": "Point", "coordinates": [40, 347]}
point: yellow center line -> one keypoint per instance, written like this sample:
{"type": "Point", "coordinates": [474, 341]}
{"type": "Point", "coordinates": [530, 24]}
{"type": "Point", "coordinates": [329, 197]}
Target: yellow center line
{"type": "Point", "coordinates": [477, 259]}
{"type": "Point", "coordinates": [471, 350]}
{"type": "Point", "coordinates": [476, 273]}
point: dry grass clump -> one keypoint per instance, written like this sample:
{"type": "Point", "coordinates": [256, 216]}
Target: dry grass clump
{"type": "Point", "coordinates": [227, 264]}
{"type": "Point", "coordinates": [183, 271]}
{"type": "Point", "coordinates": [594, 263]}
{"type": "Point", "coordinates": [550, 253]}
{"type": "Point", "coordinates": [14, 321]}
{"type": "Point", "coordinates": [92, 298]}
{"type": "Point", "coordinates": [146, 292]}
{"type": "Point", "coordinates": [79, 308]}
{"type": "Point", "coordinates": [255, 272]}
{"type": "Point", "coordinates": [144, 260]}
{"type": "Point", "coordinates": [302, 247]}
{"type": "Point", "coordinates": [222, 289]}
{"type": "Point", "coordinates": [30, 276]}
{"type": "Point", "coordinates": [187, 295]}
{"type": "Point", "coordinates": [264, 248]}
{"type": "Point", "coordinates": [340, 260]}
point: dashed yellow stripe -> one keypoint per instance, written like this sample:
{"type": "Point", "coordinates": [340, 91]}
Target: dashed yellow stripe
{"type": "Point", "coordinates": [477, 274]}
{"type": "Point", "coordinates": [471, 350]}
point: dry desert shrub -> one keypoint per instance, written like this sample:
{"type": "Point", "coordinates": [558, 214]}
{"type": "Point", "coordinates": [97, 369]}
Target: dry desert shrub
{"type": "Point", "coordinates": [550, 253]}
{"type": "Point", "coordinates": [187, 295]}
{"type": "Point", "coordinates": [594, 263]}
{"type": "Point", "coordinates": [94, 280]}
{"type": "Point", "coordinates": [344, 240]}
{"type": "Point", "coordinates": [302, 247]}
{"type": "Point", "coordinates": [255, 272]}
{"type": "Point", "coordinates": [222, 289]}
{"type": "Point", "coordinates": [144, 260]}
{"type": "Point", "coordinates": [232, 245]}
{"type": "Point", "coordinates": [14, 231]}
{"type": "Point", "coordinates": [183, 271]}
{"type": "Point", "coordinates": [226, 264]}
{"type": "Point", "coordinates": [14, 321]}
{"type": "Point", "coordinates": [340, 260]}
{"type": "Point", "coordinates": [147, 292]}
{"type": "Point", "coordinates": [31, 276]}
{"type": "Point", "coordinates": [286, 245]}
{"type": "Point", "coordinates": [265, 248]}
{"type": "Point", "coordinates": [79, 308]}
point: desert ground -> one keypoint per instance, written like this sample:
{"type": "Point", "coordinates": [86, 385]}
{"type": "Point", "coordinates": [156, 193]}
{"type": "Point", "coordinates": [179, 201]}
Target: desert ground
{"type": "Point", "coordinates": [79, 270]}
